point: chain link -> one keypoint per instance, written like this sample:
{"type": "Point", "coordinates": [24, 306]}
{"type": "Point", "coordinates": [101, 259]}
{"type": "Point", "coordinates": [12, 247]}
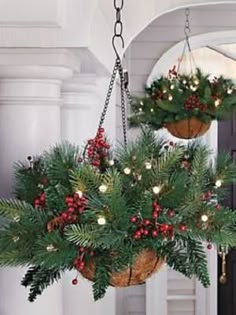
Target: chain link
{"type": "Point", "coordinates": [119, 6]}
{"type": "Point", "coordinates": [187, 28]}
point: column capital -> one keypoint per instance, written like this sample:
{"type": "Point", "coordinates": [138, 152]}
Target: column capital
{"type": "Point", "coordinates": [80, 83]}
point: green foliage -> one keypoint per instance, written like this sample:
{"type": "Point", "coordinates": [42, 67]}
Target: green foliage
{"type": "Point", "coordinates": [168, 99]}
{"type": "Point", "coordinates": [38, 280]}
{"type": "Point", "coordinates": [67, 230]}
{"type": "Point", "coordinates": [102, 277]}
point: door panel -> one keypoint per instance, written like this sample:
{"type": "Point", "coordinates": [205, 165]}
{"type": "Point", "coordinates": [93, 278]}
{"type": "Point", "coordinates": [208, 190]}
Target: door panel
{"type": "Point", "coordinates": [227, 292]}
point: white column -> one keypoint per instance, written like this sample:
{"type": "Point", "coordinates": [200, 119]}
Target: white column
{"type": "Point", "coordinates": [83, 101]}
{"type": "Point", "coordinates": [30, 100]}
{"type": "Point", "coordinates": [79, 119]}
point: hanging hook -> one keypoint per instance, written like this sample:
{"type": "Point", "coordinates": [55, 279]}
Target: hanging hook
{"type": "Point", "coordinates": [114, 45]}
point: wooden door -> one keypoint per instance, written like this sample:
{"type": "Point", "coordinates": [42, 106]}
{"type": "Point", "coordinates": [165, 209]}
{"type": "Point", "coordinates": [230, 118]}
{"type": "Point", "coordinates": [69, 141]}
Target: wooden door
{"type": "Point", "coordinates": [227, 291]}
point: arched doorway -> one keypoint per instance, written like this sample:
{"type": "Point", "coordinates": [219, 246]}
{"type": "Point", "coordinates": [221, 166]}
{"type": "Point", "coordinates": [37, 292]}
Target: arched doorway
{"type": "Point", "coordinates": [151, 45]}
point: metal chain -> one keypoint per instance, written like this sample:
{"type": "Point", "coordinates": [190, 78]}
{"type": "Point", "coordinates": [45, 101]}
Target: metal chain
{"type": "Point", "coordinates": [118, 31]}
{"type": "Point", "coordinates": [123, 107]}
{"type": "Point", "coordinates": [118, 27]}
{"type": "Point", "coordinates": [108, 97]}
{"type": "Point", "coordinates": [187, 28]}
{"type": "Point", "coordinates": [187, 31]}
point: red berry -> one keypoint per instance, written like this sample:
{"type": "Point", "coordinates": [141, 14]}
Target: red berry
{"type": "Point", "coordinates": [75, 281]}
{"type": "Point", "coordinates": [108, 146]}
{"type": "Point", "coordinates": [166, 227]}
{"type": "Point", "coordinates": [96, 163]}
{"type": "Point", "coordinates": [91, 253]}
{"type": "Point", "coordinates": [141, 231]}
{"type": "Point", "coordinates": [155, 214]}
{"type": "Point", "coordinates": [209, 246]}
{"type": "Point", "coordinates": [154, 233]}
{"type": "Point", "coordinates": [217, 207]}
{"type": "Point", "coordinates": [146, 222]}
{"type": "Point", "coordinates": [81, 249]}
{"type": "Point", "coordinates": [146, 232]}
{"type": "Point", "coordinates": [42, 198]}
{"type": "Point", "coordinates": [81, 266]}
{"type": "Point", "coordinates": [71, 210]}
{"type": "Point", "coordinates": [69, 217]}
{"type": "Point", "coordinates": [37, 202]}
{"type": "Point", "coordinates": [64, 216]}
{"type": "Point", "coordinates": [157, 208]}
{"type": "Point", "coordinates": [69, 200]}
{"type": "Point", "coordinates": [171, 213]}
{"type": "Point", "coordinates": [154, 204]}
{"type": "Point", "coordinates": [80, 160]}
{"type": "Point", "coordinates": [136, 236]}
{"type": "Point", "coordinates": [91, 141]}
{"type": "Point", "coordinates": [183, 227]}
{"type": "Point", "coordinates": [101, 130]}
{"type": "Point", "coordinates": [171, 143]}
{"type": "Point", "coordinates": [134, 219]}
{"type": "Point", "coordinates": [162, 228]}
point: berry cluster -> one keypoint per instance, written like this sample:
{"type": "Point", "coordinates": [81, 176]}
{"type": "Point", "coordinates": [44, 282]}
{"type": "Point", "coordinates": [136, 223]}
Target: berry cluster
{"type": "Point", "coordinates": [193, 102]}
{"type": "Point", "coordinates": [79, 262]}
{"type": "Point", "coordinates": [207, 195]}
{"type": "Point", "coordinates": [76, 204]}
{"type": "Point", "coordinates": [150, 227]}
{"type": "Point", "coordinates": [173, 74]}
{"type": "Point", "coordinates": [40, 201]}
{"type": "Point", "coordinates": [97, 148]}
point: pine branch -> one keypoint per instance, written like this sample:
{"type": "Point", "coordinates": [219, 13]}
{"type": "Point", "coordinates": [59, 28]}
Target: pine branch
{"type": "Point", "coordinates": [102, 278]}
{"type": "Point", "coordinates": [41, 280]}
{"type": "Point", "coordinates": [94, 237]}
{"type": "Point", "coordinates": [12, 209]}
{"type": "Point", "coordinates": [29, 276]}
{"type": "Point", "coordinates": [53, 251]}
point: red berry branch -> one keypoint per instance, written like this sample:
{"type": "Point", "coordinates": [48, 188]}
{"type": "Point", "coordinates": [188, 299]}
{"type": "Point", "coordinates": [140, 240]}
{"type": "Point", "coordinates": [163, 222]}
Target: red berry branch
{"type": "Point", "coordinates": [40, 200]}
{"type": "Point", "coordinates": [97, 148]}
{"type": "Point", "coordinates": [76, 205]}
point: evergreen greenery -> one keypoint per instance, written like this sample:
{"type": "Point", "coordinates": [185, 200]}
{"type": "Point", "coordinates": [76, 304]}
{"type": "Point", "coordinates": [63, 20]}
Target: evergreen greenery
{"type": "Point", "coordinates": [181, 96]}
{"type": "Point", "coordinates": [77, 213]}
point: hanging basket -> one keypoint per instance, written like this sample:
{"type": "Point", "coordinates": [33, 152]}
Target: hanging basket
{"type": "Point", "coordinates": [188, 128]}
{"type": "Point", "coordinates": [145, 264]}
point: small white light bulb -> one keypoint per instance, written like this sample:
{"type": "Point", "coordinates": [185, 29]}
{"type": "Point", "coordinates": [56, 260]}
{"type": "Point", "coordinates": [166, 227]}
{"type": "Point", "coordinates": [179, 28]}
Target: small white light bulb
{"type": "Point", "coordinates": [229, 91]}
{"type": "Point", "coordinates": [217, 102]}
{"type": "Point", "coordinates": [139, 177]}
{"type": "Point", "coordinates": [170, 97]}
{"type": "Point", "coordinates": [103, 189]}
{"type": "Point", "coordinates": [80, 193]}
{"type": "Point", "coordinates": [151, 110]}
{"type": "Point", "coordinates": [204, 218]}
{"type": "Point", "coordinates": [148, 165]}
{"type": "Point", "coordinates": [193, 88]}
{"type": "Point", "coordinates": [218, 183]}
{"type": "Point", "coordinates": [172, 87]}
{"type": "Point", "coordinates": [127, 171]}
{"type": "Point", "coordinates": [156, 190]}
{"type": "Point", "coordinates": [111, 162]}
{"type": "Point", "coordinates": [101, 220]}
